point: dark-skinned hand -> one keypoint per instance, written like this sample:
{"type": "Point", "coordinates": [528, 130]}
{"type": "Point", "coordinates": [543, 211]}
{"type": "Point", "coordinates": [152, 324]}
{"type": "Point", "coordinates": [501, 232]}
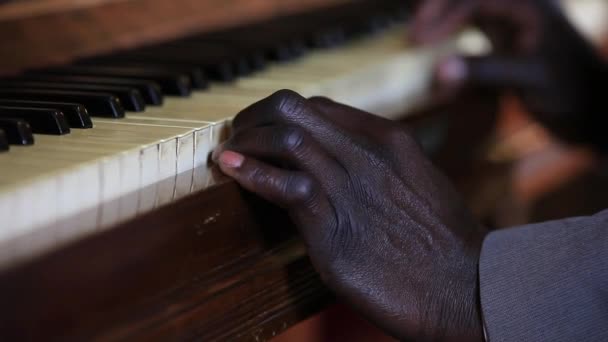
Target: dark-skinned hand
{"type": "Point", "coordinates": [536, 53]}
{"type": "Point", "coordinates": [383, 227]}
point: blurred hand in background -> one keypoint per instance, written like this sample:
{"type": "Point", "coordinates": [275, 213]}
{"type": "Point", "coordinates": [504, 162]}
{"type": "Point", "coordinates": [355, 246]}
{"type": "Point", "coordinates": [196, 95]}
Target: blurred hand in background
{"type": "Point", "coordinates": [536, 53]}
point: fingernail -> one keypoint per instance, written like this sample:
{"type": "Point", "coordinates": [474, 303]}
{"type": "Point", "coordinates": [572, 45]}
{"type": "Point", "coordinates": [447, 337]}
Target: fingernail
{"type": "Point", "coordinates": [452, 70]}
{"type": "Point", "coordinates": [231, 159]}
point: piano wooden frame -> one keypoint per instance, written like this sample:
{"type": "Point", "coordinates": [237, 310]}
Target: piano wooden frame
{"type": "Point", "coordinates": [213, 266]}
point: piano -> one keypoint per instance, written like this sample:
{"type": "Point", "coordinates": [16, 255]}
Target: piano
{"type": "Point", "coordinates": [114, 224]}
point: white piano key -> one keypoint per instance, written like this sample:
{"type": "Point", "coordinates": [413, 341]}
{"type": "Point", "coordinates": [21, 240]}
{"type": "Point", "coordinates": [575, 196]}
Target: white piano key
{"type": "Point", "coordinates": [7, 209]}
{"type": "Point", "coordinates": [185, 152]}
{"type": "Point", "coordinates": [79, 191]}
{"type": "Point", "coordinates": [149, 178]}
{"type": "Point", "coordinates": [168, 170]}
{"type": "Point", "coordinates": [183, 184]}
{"type": "Point", "coordinates": [37, 204]}
{"type": "Point", "coordinates": [203, 147]}
{"type": "Point", "coordinates": [185, 164]}
{"type": "Point", "coordinates": [110, 183]}
{"type": "Point", "coordinates": [130, 183]}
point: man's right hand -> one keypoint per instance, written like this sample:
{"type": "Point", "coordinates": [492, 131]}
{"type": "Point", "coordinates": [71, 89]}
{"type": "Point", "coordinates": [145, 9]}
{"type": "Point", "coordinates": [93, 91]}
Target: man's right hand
{"type": "Point", "coordinates": [536, 53]}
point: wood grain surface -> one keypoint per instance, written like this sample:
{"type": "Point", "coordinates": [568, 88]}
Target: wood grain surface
{"type": "Point", "coordinates": [41, 33]}
{"type": "Point", "coordinates": [214, 266]}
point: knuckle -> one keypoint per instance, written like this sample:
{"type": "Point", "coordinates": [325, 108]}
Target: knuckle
{"type": "Point", "coordinates": [302, 189]}
{"type": "Point", "coordinates": [291, 139]}
{"type": "Point", "coordinates": [287, 101]}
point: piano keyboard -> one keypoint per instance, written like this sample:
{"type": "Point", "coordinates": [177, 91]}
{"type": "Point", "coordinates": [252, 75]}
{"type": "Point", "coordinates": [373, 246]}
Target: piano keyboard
{"type": "Point", "coordinates": [117, 136]}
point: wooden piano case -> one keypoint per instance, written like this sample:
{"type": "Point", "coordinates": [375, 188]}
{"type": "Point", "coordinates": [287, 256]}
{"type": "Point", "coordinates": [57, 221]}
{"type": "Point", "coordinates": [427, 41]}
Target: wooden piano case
{"type": "Point", "coordinates": [217, 265]}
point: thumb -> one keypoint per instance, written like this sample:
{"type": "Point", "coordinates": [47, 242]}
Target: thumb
{"type": "Point", "coordinates": [490, 71]}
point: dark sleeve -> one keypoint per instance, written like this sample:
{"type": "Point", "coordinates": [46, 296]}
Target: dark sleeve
{"type": "Point", "coordinates": [546, 282]}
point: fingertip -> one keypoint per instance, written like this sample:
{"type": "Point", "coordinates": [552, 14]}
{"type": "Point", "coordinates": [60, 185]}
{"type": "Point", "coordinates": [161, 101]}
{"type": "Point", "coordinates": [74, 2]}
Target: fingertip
{"type": "Point", "coordinates": [229, 161]}
{"type": "Point", "coordinates": [452, 71]}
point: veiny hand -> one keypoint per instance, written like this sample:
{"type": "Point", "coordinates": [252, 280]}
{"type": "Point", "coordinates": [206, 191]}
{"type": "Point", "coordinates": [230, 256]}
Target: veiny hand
{"type": "Point", "coordinates": [536, 53]}
{"type": "Point", "coordinates": [385, 230]}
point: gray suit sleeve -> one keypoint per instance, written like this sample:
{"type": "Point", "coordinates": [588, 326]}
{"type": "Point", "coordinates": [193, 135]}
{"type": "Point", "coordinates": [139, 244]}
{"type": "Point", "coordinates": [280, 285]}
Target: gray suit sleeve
{"type": "Point", "coordinates": [546, 282]}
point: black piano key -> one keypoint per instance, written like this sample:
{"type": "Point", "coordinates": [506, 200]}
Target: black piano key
{"type": "Point", "coordinates": [298, 47]}
{"type": "Point", "coordinates": [259, 37]}
{"type": "Point", "coordinates": [196, 75]}
{"type": "Point", "coordinates": [43, 121]}
{"type": "Point", "coordinates": [379, 22]}
{"type": "Point", "coordinates": [223, 72]}
{"type": "Point", "coordinates": [257, 60]}
{"type": "Point", "coordinates": [130, 98]}
{"type": "Point", "coordinates": [282, 51]}
{"type": "Point", "coordinates": [219, 51]}
{"type": "Point", "coordinates": [18, 132]}
{"type": "Point", "coordinates": [4, 146]}
{"type": "Point", "coordinates": [284, 44]}
{"type": "Point", "coordinates": [217, 65]}
{"type": "Point", "coordinates": [239, 61]}
{"type": "Point", "coordinates": [150, 90]}
{"type": "Point", "coordinates": [242, 67]}
{"type": "Point", "coordinates": [328, 38]}
{"type": "Point", "coordinates": [171, 83]}
{"type": "Point", "coordinates": [75, 113]}
{"type": "Point", "coordinates": [97, 104]}
{"type": "Point", "coordinates": [198, 51]}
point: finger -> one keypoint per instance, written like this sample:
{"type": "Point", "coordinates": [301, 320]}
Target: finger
{"type": "Point", "coordinates": [512, 24]}
{"type": "Point", "coordinates": [282, 187]}
{"type": "Point", "coordinates": [286, 107]}
{"type": "Point", "coordinates": [491, 71]}
{"type": "Point", "coordinates": [282, 107]}
{"type": "Point", "coordinates": [288, 144]}
{"type": "Point", "coordinates": [295, 191]}
{"type": "Point", "coordinates": [353, 120]}
{"type": "Point", "coordinates": [440, 19]}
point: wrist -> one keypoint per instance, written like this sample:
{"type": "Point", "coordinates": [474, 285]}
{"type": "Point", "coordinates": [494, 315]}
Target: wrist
{"type": "Point", "coordinates": [461, 319]}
